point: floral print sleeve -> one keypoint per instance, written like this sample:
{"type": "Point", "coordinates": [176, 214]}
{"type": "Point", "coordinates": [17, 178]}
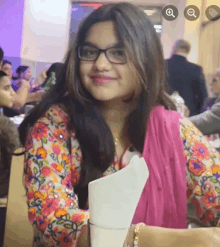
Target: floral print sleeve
{"type": "Point", "coordinates": [50, 174]}
{"type": "Point", "coordinates": [203, 174]}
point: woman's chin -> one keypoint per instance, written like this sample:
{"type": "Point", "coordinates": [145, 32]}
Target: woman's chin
{"type": "Point", "coordinates": [9, 105]}
{"type": "Point", "coordinates": [102, 97]}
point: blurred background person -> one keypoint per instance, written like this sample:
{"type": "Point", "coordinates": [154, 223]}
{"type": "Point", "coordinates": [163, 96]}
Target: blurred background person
{"type": "Point", "coordinates": [186, 78]}
{"type": "Point", "coordinates": [9, 141]}
{"type": "Point", "coordinates": [22, 73]}
{"type": "Point", "coordinates": [180, 104]}
{"type": "Point", "coordinates": [208, 122]}
{"type": "Point", "coordinates": [215, 89]}
{"type": "Point", "coordinates": [1, 57]}
{"type": "Point", "coordinates": [6, 91]}
{"type": "Point", "coordinates": [48, 77]}
{"type": "Point", "coordinates": [23, 95]}
{"type": "Point", "coordinates": [7, 68]}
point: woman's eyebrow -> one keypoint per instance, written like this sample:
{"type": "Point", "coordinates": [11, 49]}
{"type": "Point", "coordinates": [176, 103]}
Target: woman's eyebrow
{"type": "Point", "coordinates": [115, 45]}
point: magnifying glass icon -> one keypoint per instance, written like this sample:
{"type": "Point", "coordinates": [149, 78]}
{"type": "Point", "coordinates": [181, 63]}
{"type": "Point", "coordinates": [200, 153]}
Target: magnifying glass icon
{"type": "Point", "coordinates": [169, 12]}
{"type": "Point", "coordinates": [191, 12]}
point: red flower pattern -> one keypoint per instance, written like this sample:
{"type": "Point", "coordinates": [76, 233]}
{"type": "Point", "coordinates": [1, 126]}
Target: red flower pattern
{"type": "Point", "coordinates": [29, 141]}
{"type": "Point", "coordinates": [67, 182]}
{"type": "Point", "coordinates": [49, 206]}
{"type": "Point", "coordinates": [42, 223]}
{"type": "Point", "coordinates": [40, 131]}
{"type": "Point", "coordinates": [196, 167]}
{"type": "Point", "coordinates": [200, 151]}
{"type": "Point", "coordinates": [60, 135]}
{"type": "Point", "coordinates": [65, 239]}
{"type": "Point", "coordinates": [210, 199]}
{"type": "Point", "coordinates": [46, 171]}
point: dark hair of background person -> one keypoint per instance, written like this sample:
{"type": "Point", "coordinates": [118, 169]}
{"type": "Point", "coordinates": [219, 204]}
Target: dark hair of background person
{"type": "Point", "coordinates": [143, 48]}
{"type": "Point", "coordinates": [1, 54]}
{"type": "Point", "coordinates": [19, 70]}
{"type": "Point", "coordinates": [182, 45]}
{"type": "Point", "coordinates": [5, 62]}
{"type": "Point", "coordinates": [2, 74]}
{"type": "Point", "coordinates": [56, 68]}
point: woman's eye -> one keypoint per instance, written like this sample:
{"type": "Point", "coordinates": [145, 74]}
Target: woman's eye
{"type": "Point", "coordinates": [118, 53]}
{"type": "Point", "coordinates": [89, 52]}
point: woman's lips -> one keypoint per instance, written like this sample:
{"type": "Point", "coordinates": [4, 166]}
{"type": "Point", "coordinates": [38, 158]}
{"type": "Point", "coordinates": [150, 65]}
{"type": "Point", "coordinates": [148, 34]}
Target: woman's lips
{"type": "Point", "coordinates": [102, 79]}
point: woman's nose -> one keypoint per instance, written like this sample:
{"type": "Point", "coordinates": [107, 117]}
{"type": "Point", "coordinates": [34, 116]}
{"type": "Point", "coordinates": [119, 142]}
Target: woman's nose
{"type": "Point", "coordinates": [12, 92]}
{"type": "Point", "coordinates": [102, 62]}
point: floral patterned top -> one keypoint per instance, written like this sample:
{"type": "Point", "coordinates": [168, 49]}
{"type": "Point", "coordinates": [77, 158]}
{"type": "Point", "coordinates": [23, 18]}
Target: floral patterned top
{"type": "Point", "coordinates": [52, 173]}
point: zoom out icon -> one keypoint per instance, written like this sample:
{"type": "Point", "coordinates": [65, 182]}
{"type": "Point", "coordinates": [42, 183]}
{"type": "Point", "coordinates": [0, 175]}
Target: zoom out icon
{"type": "Point", "coordinates": [191, 13]}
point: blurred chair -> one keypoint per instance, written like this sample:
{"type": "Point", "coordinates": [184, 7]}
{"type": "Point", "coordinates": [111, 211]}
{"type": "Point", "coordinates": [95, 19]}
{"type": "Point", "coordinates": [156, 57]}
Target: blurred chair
{"type": "Point", "coordinates": [18, 230]}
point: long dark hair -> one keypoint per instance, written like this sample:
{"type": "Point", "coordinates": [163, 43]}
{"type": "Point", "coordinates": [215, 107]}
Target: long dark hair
{"type": "Point", "coordinates": [19, 70]}
{"type": "Point", "coordinates": [96, 141]}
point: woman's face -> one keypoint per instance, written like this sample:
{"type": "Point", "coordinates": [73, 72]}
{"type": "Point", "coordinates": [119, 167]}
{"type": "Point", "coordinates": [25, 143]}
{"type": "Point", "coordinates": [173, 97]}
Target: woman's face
{"type": "Point", "coordinates": [7, 69]}
{"type": "Point", "coordinates": [104, 80]}
{"type": "Point", "coordinates": [216, 84]}
{"type": "Point", "coordinates": [6, 92]}
{"type": "Point", "coordinates": [26, 74]}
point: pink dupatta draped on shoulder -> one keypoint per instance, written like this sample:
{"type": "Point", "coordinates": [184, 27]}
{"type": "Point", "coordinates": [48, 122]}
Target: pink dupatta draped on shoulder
{"type": "Point", "coordinates": [163, 202]}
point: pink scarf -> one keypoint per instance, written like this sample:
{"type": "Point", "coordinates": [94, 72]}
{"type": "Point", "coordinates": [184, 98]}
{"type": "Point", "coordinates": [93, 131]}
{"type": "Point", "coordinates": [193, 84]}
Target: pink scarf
{"type": "Point", "coordinates": [163, 202]}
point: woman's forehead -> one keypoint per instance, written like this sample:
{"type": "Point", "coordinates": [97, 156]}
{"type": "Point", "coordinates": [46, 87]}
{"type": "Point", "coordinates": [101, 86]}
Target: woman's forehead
{"type": "Point", "coordinates": [102, 35]}
{"type": "Point", "coordinates": [7, 65]}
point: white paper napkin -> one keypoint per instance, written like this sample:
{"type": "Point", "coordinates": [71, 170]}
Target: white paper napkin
{"type": "Point", "coordinates": [112, 203]}
{"type": "Point", "coordinates": [18, 119]}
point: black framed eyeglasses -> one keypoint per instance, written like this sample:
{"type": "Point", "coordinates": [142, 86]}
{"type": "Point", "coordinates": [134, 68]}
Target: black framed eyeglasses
{"type": "Point", "coordinates": [91, 53]}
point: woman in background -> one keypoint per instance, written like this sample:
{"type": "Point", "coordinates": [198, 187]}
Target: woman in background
{"type": "Point", "coordinates": [22, 87]}
{"type": "Point", "coordinates": [107, 105]}
{"type": "Point", "coordinates": [48, 77]}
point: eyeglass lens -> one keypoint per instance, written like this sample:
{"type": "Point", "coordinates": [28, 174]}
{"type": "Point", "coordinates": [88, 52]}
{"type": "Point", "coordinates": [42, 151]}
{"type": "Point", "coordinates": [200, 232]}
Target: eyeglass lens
{"type": "Point", "coordinates": [114, 55]}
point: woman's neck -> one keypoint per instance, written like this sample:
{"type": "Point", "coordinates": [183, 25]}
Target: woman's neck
{"type": "Point", "coordinates": [115, 114]}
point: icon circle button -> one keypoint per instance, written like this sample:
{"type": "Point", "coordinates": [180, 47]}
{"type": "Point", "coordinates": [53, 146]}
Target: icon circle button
{"type": "Point", "coordinates": [170, 13]}
{"type": "Point", "coordinates": [191, 13]}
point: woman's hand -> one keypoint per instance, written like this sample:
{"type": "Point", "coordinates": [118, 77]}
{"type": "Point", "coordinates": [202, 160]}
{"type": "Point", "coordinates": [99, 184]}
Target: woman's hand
{"type": "Point", "coordinates": [129, 241]}
{"type": "Point", "coordinates": [25, 84]}
{"type": "Point", "coordinates": [39, 95]}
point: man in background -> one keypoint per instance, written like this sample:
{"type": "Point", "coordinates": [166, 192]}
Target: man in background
{"type": "Point", "coordinates": [185, 78]}
{"type": "Point", "coordinates": [7, 68]}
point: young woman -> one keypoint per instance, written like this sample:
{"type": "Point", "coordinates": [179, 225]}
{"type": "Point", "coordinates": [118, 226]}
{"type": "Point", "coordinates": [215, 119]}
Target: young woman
{"type": "Point", "coordinates": [109, 104]}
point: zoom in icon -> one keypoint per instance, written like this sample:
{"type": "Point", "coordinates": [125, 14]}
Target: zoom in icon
{"type": "Point", "coordinates": [170, 13]}
{"type": "Point", "coordinates": [191, 13]}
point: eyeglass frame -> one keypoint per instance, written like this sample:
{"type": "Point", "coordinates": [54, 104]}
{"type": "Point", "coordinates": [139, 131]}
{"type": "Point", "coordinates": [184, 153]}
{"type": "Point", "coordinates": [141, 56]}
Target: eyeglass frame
{"type": "Point", "coordinates": [100, 51]}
